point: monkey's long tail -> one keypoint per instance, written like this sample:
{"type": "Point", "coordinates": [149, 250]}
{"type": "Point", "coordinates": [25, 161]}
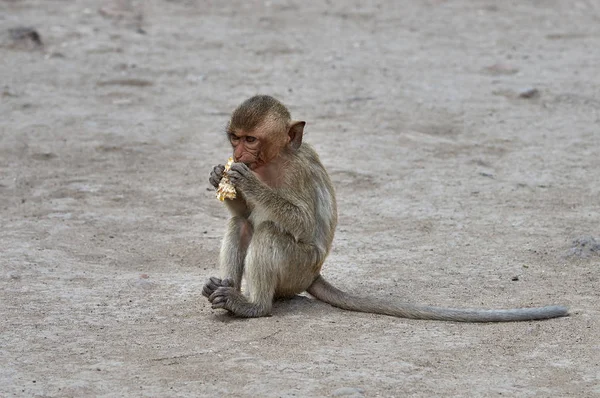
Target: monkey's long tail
{"type": "Point", "coordinates": [324, 291]}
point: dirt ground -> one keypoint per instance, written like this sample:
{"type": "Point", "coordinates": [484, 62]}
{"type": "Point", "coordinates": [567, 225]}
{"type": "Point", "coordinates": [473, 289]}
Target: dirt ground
{"type": "Point", "coordinates": [463, 139]}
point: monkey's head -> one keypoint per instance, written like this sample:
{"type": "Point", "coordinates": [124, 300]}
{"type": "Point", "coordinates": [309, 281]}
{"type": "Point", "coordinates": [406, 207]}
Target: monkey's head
{"type": "Point", "coordinates": [261, 129]}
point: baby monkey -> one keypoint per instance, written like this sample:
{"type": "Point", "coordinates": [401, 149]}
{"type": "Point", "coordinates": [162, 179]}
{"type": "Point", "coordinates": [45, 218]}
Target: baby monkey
{"type": "Point", "coordinates": [282, 224]}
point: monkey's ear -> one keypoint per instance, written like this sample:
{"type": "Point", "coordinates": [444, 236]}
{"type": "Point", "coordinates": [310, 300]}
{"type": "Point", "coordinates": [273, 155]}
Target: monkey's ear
{"type": "Point", "coordinates": [295, 133]}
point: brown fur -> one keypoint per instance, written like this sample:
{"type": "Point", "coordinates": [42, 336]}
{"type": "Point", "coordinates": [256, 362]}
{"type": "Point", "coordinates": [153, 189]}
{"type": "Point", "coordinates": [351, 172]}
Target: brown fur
{"type": "Point", "coordinates": [283, 222]}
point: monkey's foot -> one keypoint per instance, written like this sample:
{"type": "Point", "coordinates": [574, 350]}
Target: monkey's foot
{"type": "Point", "coordinates": [213, 284]}
{"type": "Point", "coordinates": [230, 299]}
{"type": "Point", "coordinates": [223, 298]}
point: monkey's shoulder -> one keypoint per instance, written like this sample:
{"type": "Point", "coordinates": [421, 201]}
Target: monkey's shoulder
{"type": "Point", "coordinates": [315, 173]}
{"type": "Point", "coordinates": [307, 152]}
{"type": "Point", "coordinates": [310, 160]}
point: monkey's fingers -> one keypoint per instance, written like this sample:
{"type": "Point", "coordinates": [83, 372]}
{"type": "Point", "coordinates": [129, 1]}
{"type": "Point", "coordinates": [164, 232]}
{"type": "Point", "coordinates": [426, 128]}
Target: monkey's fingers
{"type": "Point", "coordinates": [236, 178]}
{"type": "Point", "coordinates": [216, 175]}
{"type": "Point", "coordinates": [211, 286]}
{"type": "Point", "coordinates": [217, 295]}
{"type": "Point", "coordinates": [227, 282]}
{"type": "Point", "coordinates": [241, 168]}
{"type": "Point", "coordinates": [220, 298]}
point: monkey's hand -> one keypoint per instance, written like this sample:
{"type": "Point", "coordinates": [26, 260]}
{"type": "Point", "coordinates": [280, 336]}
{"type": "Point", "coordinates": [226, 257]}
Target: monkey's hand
{"type": "Point", "coordinates": [243, 179]}
{"type": "Point", "coordinates": [214, 283]}
{"type": "Point", "coordinates": [216, 175]}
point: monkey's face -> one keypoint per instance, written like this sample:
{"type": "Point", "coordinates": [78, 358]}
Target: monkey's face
{"type": "Point", "coordinates": [246, 148]}
{"type": "Point", "coordinates": [258, 147]}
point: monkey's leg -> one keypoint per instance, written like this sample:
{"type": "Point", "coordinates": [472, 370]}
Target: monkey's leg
{"type": "Point", "coordinates": [231, 259]}
{"type": "Point", "coordinates": [234, 249]}
{"type": "Point", "coordinates": [273, 264]}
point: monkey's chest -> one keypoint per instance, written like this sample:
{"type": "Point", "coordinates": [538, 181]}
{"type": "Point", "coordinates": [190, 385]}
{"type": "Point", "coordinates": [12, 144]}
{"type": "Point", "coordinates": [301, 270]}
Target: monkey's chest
{"type": "Point", "coordinates": [260, 217]}
{"type": "Point", "coordinates": [256, 216]}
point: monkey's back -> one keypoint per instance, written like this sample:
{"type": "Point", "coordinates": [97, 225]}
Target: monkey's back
{"type": "Point", "coordinates": [323, 206]}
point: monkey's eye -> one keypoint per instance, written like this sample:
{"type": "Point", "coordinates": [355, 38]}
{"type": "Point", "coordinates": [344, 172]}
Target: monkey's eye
{"type": "Point", "coordinates": [250, 139]}
{"type": "Point", "coordinates": [233, 138]}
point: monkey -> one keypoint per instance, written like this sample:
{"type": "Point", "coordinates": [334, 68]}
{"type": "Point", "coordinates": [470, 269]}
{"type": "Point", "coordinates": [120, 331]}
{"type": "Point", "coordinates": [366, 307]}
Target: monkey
{"type": "Point", "coordinates": [282, 226]}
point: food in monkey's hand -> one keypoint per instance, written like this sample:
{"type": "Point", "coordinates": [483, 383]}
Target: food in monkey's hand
{"type": "Point", "coordinates": [226, 190]}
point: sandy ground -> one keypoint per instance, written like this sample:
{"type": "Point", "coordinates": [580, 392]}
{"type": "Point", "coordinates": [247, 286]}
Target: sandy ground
{"type": "Point", "coordinates": [463, 138]}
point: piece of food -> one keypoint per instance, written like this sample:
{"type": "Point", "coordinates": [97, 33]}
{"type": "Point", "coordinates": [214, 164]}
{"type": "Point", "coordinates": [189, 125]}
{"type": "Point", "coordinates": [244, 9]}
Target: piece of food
{"type": "Point", "coordinates": [226, 190]}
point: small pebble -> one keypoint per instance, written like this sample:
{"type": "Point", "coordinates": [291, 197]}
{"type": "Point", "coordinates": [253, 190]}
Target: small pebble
{"type": "Point", "coordinates": [529, 93]}
{"type": "Point", "coordinates": [24, 33]}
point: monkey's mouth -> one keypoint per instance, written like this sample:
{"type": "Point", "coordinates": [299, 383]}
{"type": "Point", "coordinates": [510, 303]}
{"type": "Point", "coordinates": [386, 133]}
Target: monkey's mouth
{"type": "Point", "coordinates": [250, 165]}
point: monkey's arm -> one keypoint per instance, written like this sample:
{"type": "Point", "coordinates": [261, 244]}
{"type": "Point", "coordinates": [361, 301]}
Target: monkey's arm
{"type": "Point", "coordinates": [238, 206]}
{"type": "Point", "coordinates": [290, 212]}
